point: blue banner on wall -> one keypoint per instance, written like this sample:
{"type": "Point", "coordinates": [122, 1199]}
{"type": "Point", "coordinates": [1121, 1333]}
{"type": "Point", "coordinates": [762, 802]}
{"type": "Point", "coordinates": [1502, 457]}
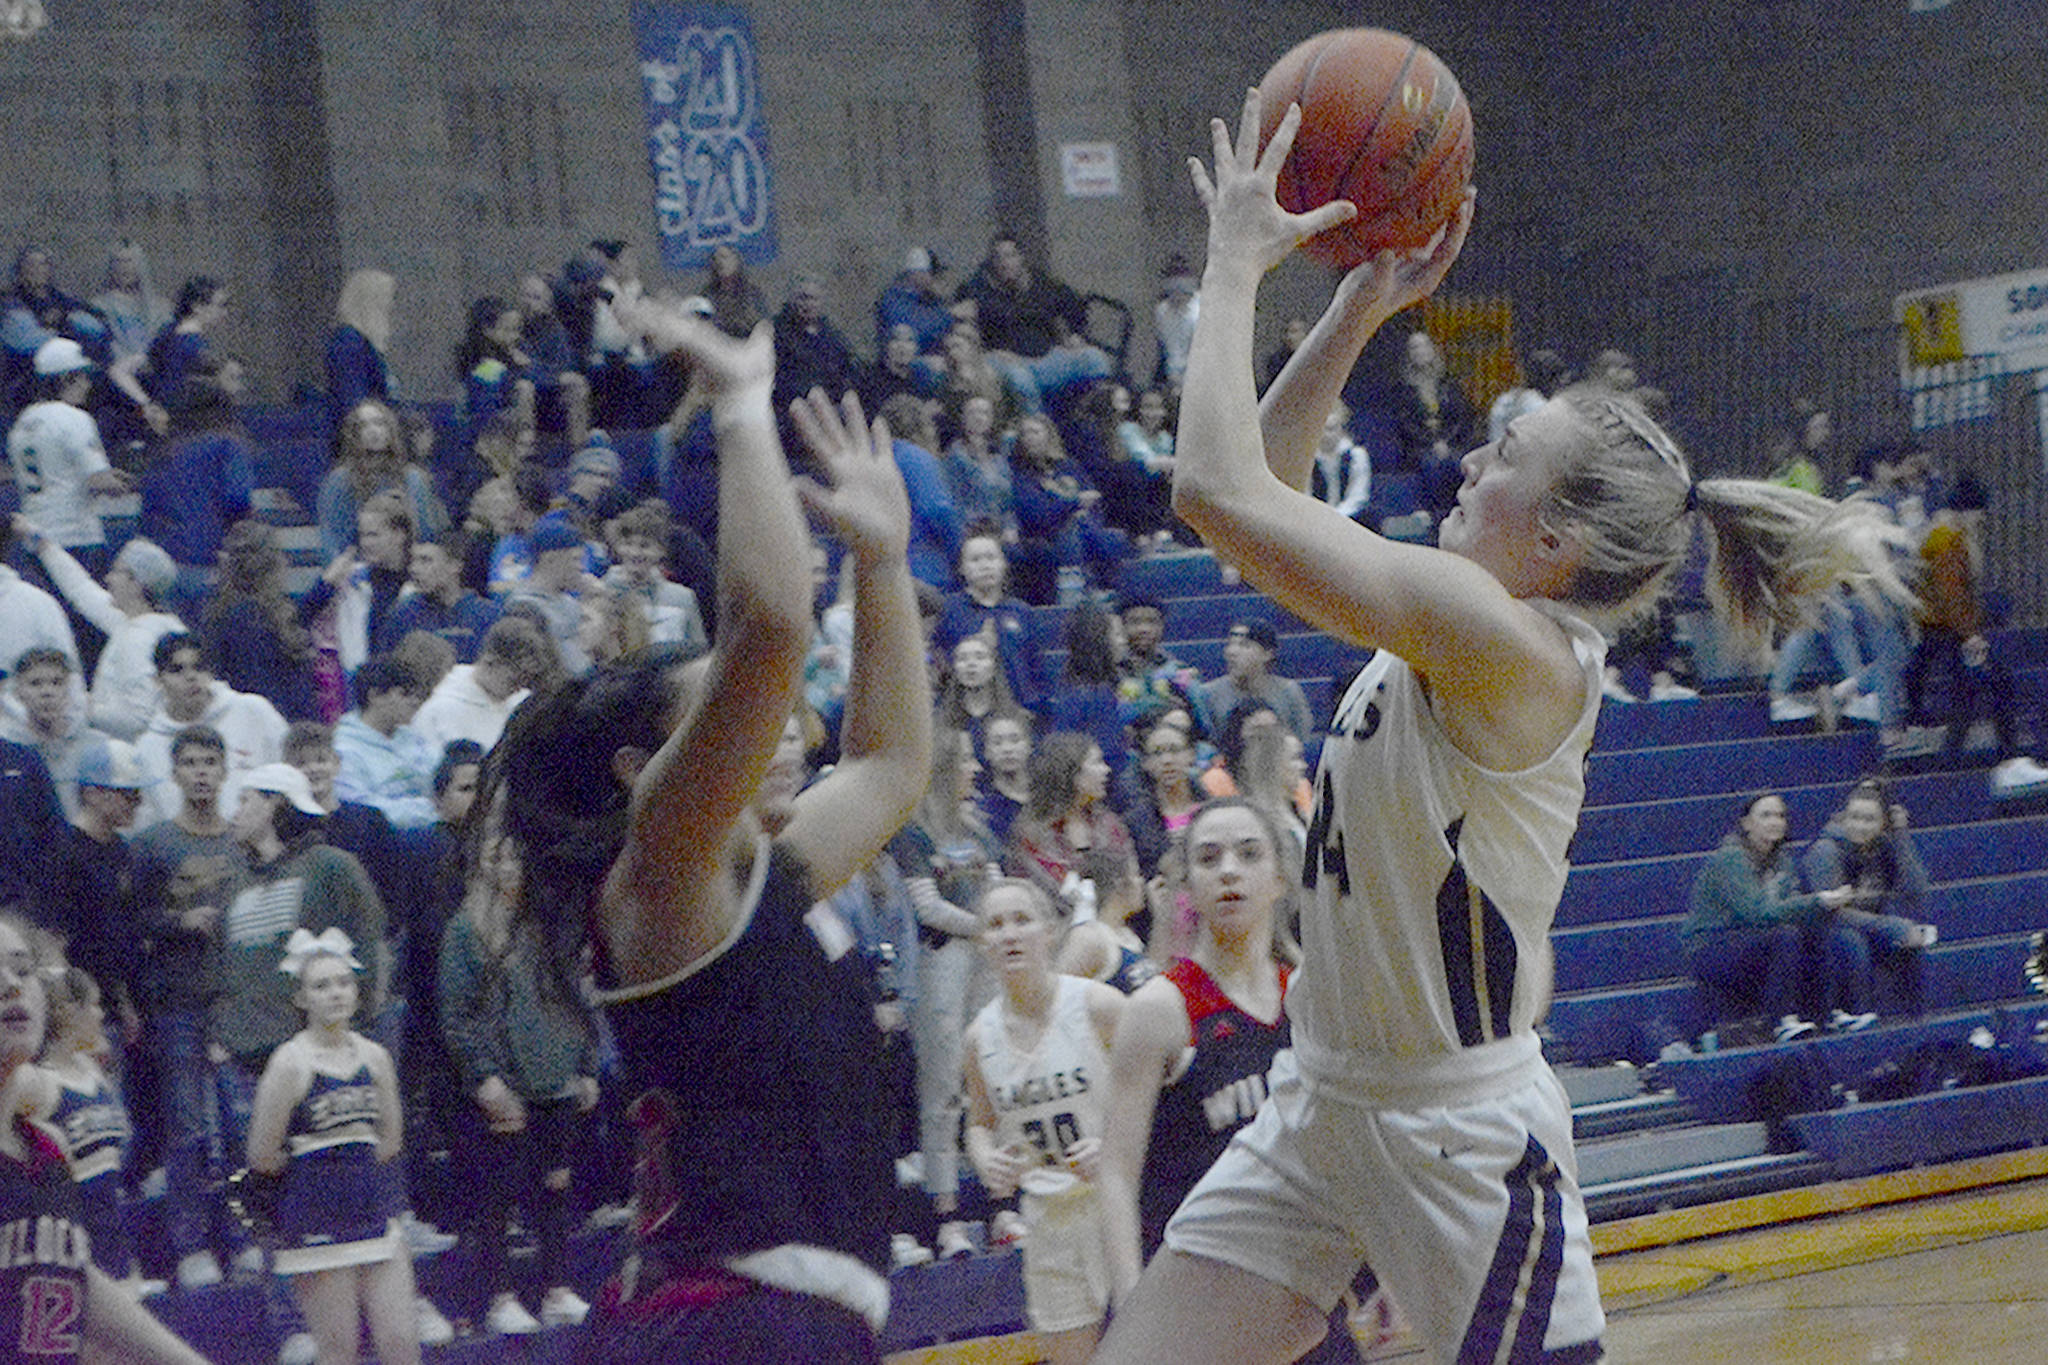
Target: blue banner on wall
{"type": "Point", "coordinates": [707, 139]}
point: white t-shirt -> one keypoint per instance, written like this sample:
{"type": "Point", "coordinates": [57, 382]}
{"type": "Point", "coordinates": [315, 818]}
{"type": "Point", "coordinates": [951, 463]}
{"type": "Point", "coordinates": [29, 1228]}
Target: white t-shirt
{"type": "Point", "coordinates": [55, 448]}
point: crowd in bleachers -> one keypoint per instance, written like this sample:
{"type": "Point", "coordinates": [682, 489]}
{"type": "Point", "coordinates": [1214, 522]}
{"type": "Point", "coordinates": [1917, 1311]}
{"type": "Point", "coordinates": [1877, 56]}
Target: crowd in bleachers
{"type": "Point", "coordinates": [201, 754]}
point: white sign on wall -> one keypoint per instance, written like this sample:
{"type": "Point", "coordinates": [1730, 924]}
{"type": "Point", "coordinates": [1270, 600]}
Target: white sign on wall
{"type": "Point", "coordinates": [2003, 315]}
{"type": "Point", "coordinates": [1088, 170]}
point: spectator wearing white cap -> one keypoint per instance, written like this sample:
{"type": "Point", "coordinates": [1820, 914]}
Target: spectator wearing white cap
{"type": "Point", "coordinates": [59, 462]}
{"type": "Point", "coordinates": [129, 609]}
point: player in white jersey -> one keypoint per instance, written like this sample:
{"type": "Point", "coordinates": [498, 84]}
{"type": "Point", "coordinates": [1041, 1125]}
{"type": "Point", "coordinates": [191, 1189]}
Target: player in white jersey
{"type": "Point", "coordinates": [1417, 1125]}
{"type": "Point", "coordinates": [1037, 1072]}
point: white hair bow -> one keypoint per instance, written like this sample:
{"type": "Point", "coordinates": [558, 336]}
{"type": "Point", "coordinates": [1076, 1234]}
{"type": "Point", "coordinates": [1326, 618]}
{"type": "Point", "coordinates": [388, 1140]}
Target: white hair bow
{"type": "Point", "coordinates": [303, 946]}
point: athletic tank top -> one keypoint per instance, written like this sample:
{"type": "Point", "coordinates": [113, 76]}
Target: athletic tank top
{"type": "Point", "coordinates": [756, 1072]}
{"type": "Point", "coordinates": [1050, 1097]}
{"type": "Point", "coordinates": [1215, 1088]}
{"type": "Point", "coordinates": [93, 1126]}
{"type": "Point", "coordinates": [1433, 883]}
{"type": "Point", "coordinates": [337, 1111]}
{"type": "Point", "coordinates": [43, 1253]}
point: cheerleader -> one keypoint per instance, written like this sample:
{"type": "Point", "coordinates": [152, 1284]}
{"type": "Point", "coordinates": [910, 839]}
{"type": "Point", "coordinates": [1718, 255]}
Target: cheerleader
{"type": "Point", "coordinates": [56, 1306]}
{"type": "Point", "coordinates": [92, 1123]}
{"type": "Point", "coordinates": [326, 1120]}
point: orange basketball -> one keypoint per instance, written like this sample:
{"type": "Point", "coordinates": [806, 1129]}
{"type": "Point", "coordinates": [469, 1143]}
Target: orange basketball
{"type": "Point", "coordinates": [1384, 125]}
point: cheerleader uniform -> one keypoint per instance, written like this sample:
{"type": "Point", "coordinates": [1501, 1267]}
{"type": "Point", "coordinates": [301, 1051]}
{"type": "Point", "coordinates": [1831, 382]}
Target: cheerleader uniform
{"type": "Point", "coordinates": [340, 1204]}
{"type": "Point", "coordinates": [1046, 1100]}
{"type": "Point", "coordinates": [92, 1125]}
{"type": "Point", "coordinates": [44, 1252]}
{"type": "Point", "coordinates": [1415, 1123]}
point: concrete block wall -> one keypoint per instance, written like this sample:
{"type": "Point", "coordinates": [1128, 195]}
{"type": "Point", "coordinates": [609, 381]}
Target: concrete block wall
{"type": "Point", "coordinates": [1734, 189]}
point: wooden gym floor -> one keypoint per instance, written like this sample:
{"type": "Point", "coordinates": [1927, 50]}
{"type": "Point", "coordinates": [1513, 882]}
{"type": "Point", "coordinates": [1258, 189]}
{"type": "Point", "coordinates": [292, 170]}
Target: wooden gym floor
{"type": "Point", "coordinates": [1959, 1278]}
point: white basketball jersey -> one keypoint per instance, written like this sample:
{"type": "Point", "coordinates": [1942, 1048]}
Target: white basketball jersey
{"type": "Point", "coordinates": [1051, 1097]}
{"type": "Point", "coordinates": [1433, 882]}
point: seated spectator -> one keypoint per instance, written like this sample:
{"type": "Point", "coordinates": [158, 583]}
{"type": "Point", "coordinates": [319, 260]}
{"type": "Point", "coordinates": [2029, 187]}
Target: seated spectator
{"type": "Point", "coordinates": [553, 590]}
{"type": "Point", "coordinates": [356, 367]}
{"type": "Point", "coordinates": [1149, 676]}
{"type": "Point", "coordinates": [1068, 815]}
{"type": "Point", "coordinates": [384, 763]}
{"type": "Point", "coordinates": [639, 540]}
{"type": "Point", "coordinates": [1058, 523]}
{"type": "Point", "coordinates": [1953, 644]}
{"type": "Point", "coordinates": [1173, 319]}
{"type": "Point", "coordinates": [737, 304]}
{"type": "Point", "coordinates": [913, 300]}
{"type": "Point", "coordinates": [1163, 804]}
{"type": "Point", "coordinates": [1086, 699]}
{"type": "Point", "coordinates": [977, 470]}
{"type": "Point", "coordinates": [34, 311]}
{"type": "Point", "coordinates": [982, 603]}
{"type": "Point", "coordinates": [476, 700]}
{"type": "Point", "coordinates": [1434, 422]}
{"type": "Point", "coordinates": [1271, 773]}
{"type": "Point", "coordinates": [935, 524]}
{"type": "Point", "coordinates": [183, 349]}
{"type": "Point", "coordinates": [1105, 947]}
{"type": "Point", "coordinates": [1033, 326]}
{"type": "Point", "coordinates": [199, 482]}
{"type": "Point", "coordinates": [512, 520]}
{"type": "Point", "coordinates": [436, 600]}
{"type": "Point", "coordinates": [1759, 942]}
{"type": "Point", "coordinates": [369, 458]}
{"type": "Point", "coordinates": [810, 351]}
{"type": "Point", "coordinates": [29, 617]}
{"type": "Point", "coordinates": [129, 611]}
{"type": "Point", "coordinates": [248, 725]}
{"type": "Point", "coordinates": [1244, 727]}
{"type": "Point", "coordinates": [1248, 653]}
{"type": "Point", "coordinates": [495, 371]}
{"type": "Point", "coordinates": [1543, 374]}
{"type": "Point", "coordinates": [1136, 498]}
{"type": "Point", "coordinates": [59, 462]}
{"type": "Point", "coordinates": [561, 391]}
{"type": "Point", "coordinates": [592, 495]}
{"type": "Point", "coordinates": [1342, 474]}
{"type": "Point", "coordinates": [1867, 847]}
{"type": "Point", "coordinates": [129, 304]}
{"type": "Point", "coordinates": [252, 627]}
{"type": "Point", "coordinates": [44, 713]}
{"type": "Point", "coordinates": [1147, 433]}
{"type": "Point", "coordinates": [1006, 785]}
{"type": "Point", "coordinates": [1798, 459]}
{"type": "Point", "coordinates": [898, 371]}
{"type": "Point", "coordinates": [972, 691]}
{"type": "Point", "coordinates": [970, 372]}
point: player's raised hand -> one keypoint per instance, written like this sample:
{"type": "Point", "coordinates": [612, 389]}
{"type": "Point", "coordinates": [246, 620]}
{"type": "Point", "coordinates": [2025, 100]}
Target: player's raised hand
{"type": "Point", "coordinates": [1246, 221]}
{"type": "Point", "coordinates": [862, 499]}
